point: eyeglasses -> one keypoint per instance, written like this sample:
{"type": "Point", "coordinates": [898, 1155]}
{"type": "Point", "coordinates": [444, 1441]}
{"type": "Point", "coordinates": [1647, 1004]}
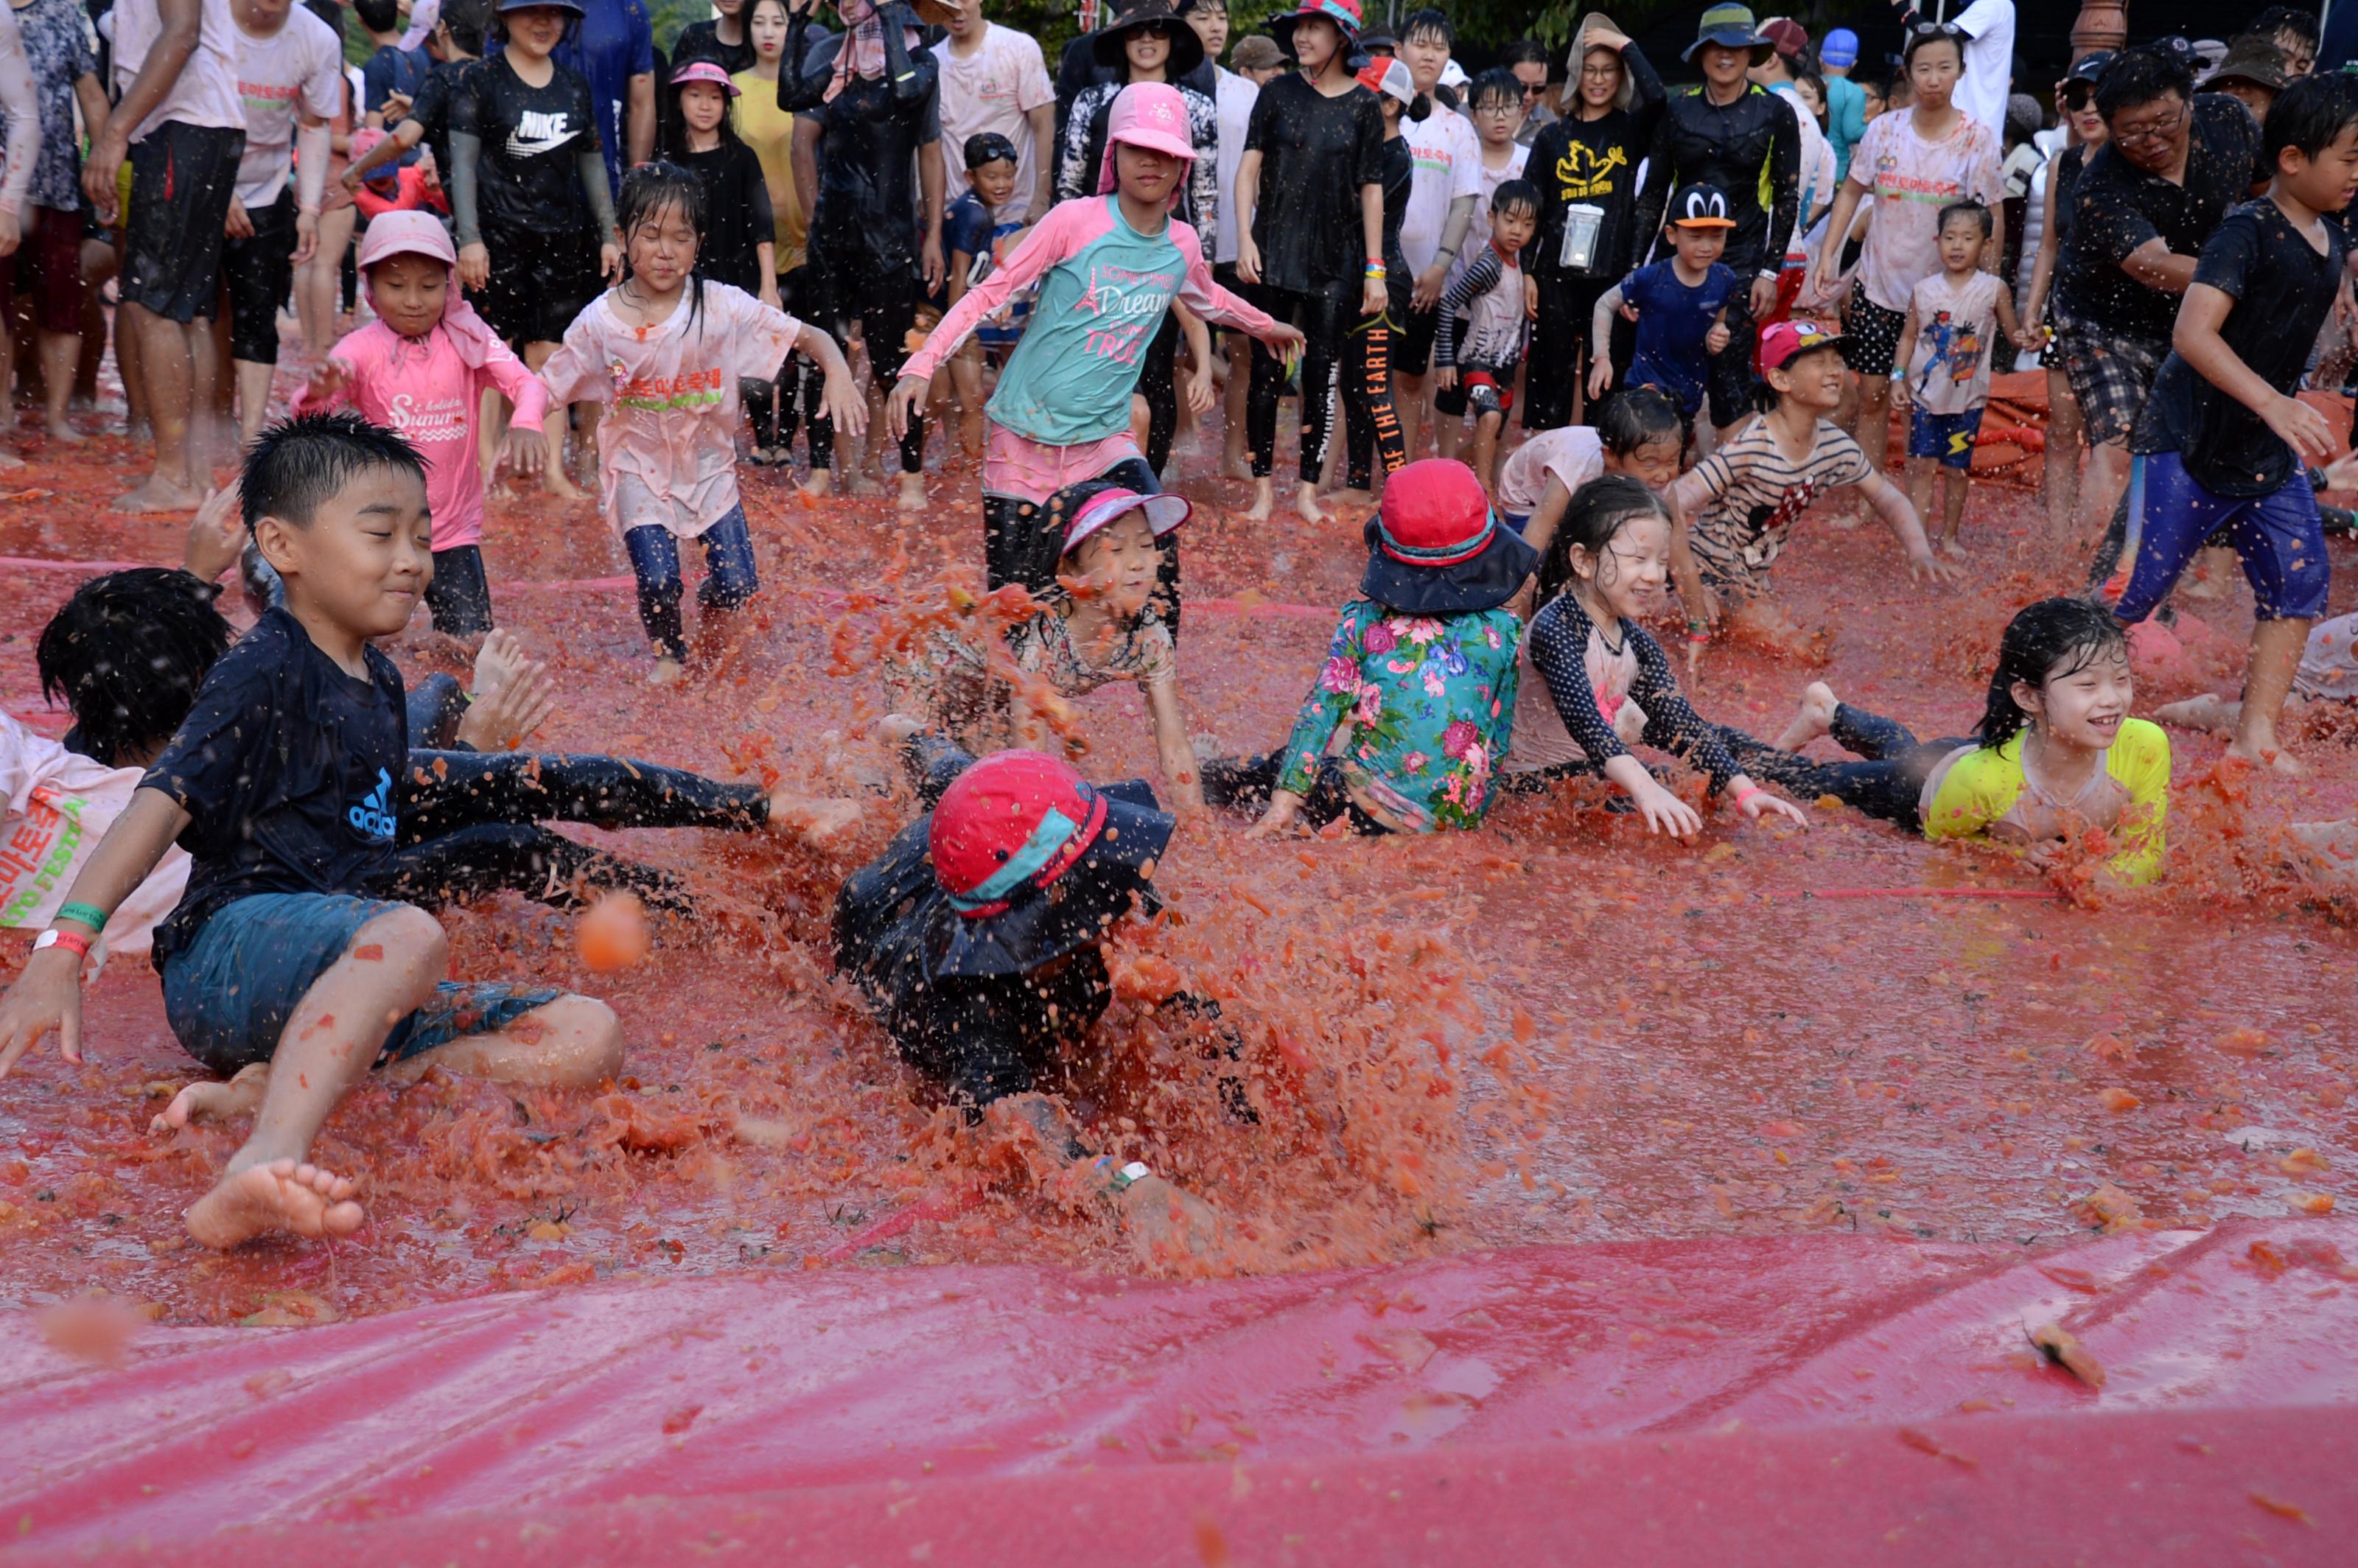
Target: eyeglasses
{"type": "Point", "coordinates": [1604, 70]}
{"type": "Point", "coordinates": [1494, 106]}
{"type": "Point", "coordinates": [2160, 131]}
{"type": "Point", "coordinates": [1937, 30]}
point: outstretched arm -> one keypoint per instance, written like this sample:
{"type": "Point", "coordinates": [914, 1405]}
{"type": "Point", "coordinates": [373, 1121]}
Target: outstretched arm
{"type": "Point", "coordinates": [1898, 515]}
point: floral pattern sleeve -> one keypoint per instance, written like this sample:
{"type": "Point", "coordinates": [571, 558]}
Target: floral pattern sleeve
{"type": "Point", "coordinates": [1331, 699]}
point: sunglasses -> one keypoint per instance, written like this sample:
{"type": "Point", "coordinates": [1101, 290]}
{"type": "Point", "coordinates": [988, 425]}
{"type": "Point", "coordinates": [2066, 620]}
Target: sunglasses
{"type": "Point", "coordinates": [1936, 30]}
{"type": "Point", "coordinates": [1152, 29]}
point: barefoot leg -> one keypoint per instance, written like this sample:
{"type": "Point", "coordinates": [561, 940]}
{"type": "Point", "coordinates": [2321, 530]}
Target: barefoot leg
{"type": "Point", "coordinates": [1264, 500]}
{"type": "Point", "coordinates": [1813, 718]}
{"type": "Point", "coordinates": [1305, 502]}
{"type": "Point", "coordinates": [2209, 712]}
{"type": "Point", "coordinates": [813, 818]}
{"type": "Point", "coordinates": [214, 1100]}
{"type": "Point", "coordinates": [2276, 656]}
{"type": "Point", "coordinates": [276, 1194]}
{"type": "Point", "coordinates": [572, 1043]}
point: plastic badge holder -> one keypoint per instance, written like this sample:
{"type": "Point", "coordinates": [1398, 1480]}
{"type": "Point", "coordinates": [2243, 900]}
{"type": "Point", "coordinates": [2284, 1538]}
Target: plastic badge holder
{"type": "Point", "coordinates": [1581, 225]}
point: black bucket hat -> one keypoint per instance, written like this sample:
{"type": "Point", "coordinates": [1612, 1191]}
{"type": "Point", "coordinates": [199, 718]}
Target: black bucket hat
{"type": "Point", "coordinates": [1436, 547]}
{"type": "Point", "coordinates": [1186, 49]}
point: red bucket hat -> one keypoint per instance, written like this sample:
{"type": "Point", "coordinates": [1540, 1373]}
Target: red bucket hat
{"type": "Point", "coordinates": [1033, 862]}
{"type": "Point", "coordinates": [1436, 547]}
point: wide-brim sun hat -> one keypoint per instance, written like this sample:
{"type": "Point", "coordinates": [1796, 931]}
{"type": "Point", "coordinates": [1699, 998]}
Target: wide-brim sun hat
{"type": "Point", "coordinates": [707, 71]}
{"type": "Point", "coordinates": [1729, 27]}
{"type": "Point", "coordinates": [1106, 45]}
{"type": "Point", "coordinates": [1436, 547]}
{"type": "Point", "coordinates": [2254, 60]}
{"type": "Point", "coordinates": [1345, 14]}
{"type": "Point", "coordinates": [1099, 504]}
{"type": "Point", "coordinates": [1035, 862]}
{"type": "Point", "coordinates": [573, 5]}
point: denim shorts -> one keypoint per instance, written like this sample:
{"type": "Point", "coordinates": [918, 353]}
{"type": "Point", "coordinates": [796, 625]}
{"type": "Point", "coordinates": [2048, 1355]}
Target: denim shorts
{"type": "Point", "coordinates": [228, 995]}
{"type": "Point", "coordinates": [1947, 436]}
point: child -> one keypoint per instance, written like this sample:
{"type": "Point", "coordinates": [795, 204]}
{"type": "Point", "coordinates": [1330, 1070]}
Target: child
{"type": "Point", "coordinates": [1597, 679]}
{"type": "Point", "coordinates": [1106, 267]}
{"type": "Point", "coordinates": [1737, 507]}
{"type": "Point", "coordinates": [740, 246]}
{"type": "Point", "coordinates": [391, 187]}
{"type": "Point", "coordinates": [667, 348]}
{"type": "Point", "coordinates": [978, 243]}
{"type": "Point", "coordinates": [1488, 295]}
{"type": "Point", "coordinates": [1094, 628]}
{"type": "Point", "coordinates": [1636, 434]}
{"type": "Point", "coordinates": [2056, 750]}
{"type": "Point", "coordinates": [1419, 682]}
{"type": "Point", "coordinates": [1680, 304]}
{"type": "Point", "coordinates": [2223, 440]}
{"type": "Point", "coordinates": [422, 368]}
{"type": "Point", "coordinates": [1946, 345]}
{"type": "Point", "coordinates": [280, 781]}
{"type": "Point", "coordinates": [978, 937]}
{"type": "Point", "coordinates": [1494, 103]}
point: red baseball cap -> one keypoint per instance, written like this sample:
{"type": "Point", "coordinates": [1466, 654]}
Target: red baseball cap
{"type": "Point", "coordinates": [1785, 341]}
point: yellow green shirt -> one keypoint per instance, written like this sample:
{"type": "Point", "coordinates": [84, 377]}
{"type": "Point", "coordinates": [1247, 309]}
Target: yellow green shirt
{"type": "Point", "coordinates": [769, 132]}
{"type": "Point", "coordinates": [1975, 789]}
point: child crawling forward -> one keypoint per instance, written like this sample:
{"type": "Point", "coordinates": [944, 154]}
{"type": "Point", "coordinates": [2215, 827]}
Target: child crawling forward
{"type": "Point", "coordinates": [280, 784]}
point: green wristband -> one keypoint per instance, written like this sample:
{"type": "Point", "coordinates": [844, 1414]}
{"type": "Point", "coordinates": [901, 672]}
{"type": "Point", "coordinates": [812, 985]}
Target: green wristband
{"type": "Point", "coordinates": [86, 914]}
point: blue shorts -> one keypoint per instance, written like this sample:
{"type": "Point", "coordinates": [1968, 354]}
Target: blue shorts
{"type": "Point", "coordinates": [1518, 521]}
{"type": "Point", "coordinates": [228, 995]}
{"type": "Point", "coordinates": [1947, 436]}
{"type": "Point", "coordinates": [2277, 535]}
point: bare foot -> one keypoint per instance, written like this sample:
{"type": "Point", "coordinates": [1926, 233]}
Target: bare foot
{"type": "Point", "coordinates": [158, 494]}
{"type": "Point", "coordinates": [2268, 753]}
{"type": "Point", "coordinates": [2334, 846]}
{"type": "Point", "coordinates": [301, 1199]}
{"type": "Point", "coordinates": [1305, 502]}
{"type": "Point", "coordinates": [821, 483]}
{"type": "Point", "coordinates": [63, 430]}
{"type": "Point", "coordinates": [554, 485]}
{"type": "Point", "coordinates": [1264, 502]}
{"type": "Point", "coordinates": [1950, 547]}
{"type": "Point", "coordinates": [497, 660]}
{"type": "Point", "coordinates": [236, 1097]}
{"type": "Point", "coordinates": [1355, 495]}
{"type": "Point", "coordinates": [668, 671]}
{"type": "Point", "coordinates": [1236, 465]}
{"type": "Point", "coordinates": [2210, 712]}
{"type": "Point", "coordinates": [894, 729]}
{"type": "Point", "coordinates": [1813, 719]}
{"type": "Point", "coordinates": [912, 492]}
{"type": "Point", "coordinates": [813, 818]}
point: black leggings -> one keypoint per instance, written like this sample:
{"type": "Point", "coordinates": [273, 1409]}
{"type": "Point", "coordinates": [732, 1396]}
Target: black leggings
{"type": "Point", "coordinates": [774, 409]}
{"type": "Point", "coordinates": [1324, 314]}
{"type": "Point", "coordinates": [1023, 540]}
{"type": "Point", "coordinates": [1558, 362]}
{"type": "Point", "coordinates": [1887, 785]}
{"type": "Point", "coordinates": [1371, 424]}
{"type": "Point", "coordinates": [470, 824]}
{"type": "Point", "coordinates": [1248, 781]}
{"type": "Point", "coordinates": [884, 299]}
{"type": "Point", "coordinates": [1158, 382]}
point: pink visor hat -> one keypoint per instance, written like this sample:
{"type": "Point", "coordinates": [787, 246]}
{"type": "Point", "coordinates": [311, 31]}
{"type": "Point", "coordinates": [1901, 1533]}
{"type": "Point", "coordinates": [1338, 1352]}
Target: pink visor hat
{"type": "Point", "coordinates": [1149, 114]}
{"type": "Point", "coordinates": [707, 71]}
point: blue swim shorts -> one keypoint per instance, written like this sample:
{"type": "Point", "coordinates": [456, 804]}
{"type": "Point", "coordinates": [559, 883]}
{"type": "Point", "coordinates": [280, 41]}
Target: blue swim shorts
{"type": "Point", "coordinates": [228, 995]}
{"type": "Point", "coordinates": [2278, 536]}
{"type": "Point", "coordinates": [1947, 436]}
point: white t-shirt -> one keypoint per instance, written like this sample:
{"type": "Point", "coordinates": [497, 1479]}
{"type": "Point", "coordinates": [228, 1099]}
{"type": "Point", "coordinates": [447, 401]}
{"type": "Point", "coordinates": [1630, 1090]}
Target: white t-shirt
{"type": "Point", "coordinates": [1571, 452]}
{"type": "Point", "coordinates": [1487, 181]}
{"type": "Point", "coordinates": [1989, 64]}
{"type": "Point", "coordinates": [1447, 155]}
{"type": "Point", "coordinates": [1908, 180]}
{"type": "Point", "coordinates": [1232, 105]}
{"type": "Point", "coordinates": [300, 67]}
{"type": "Point", "coordinates": [206, 92]}
{"type": "Point", "coordinates": [55, 805]}
{"type": "Point", "coordinates": [992, 89]}
{"type": "Point", "coordinates": [1817, 167]}
{"type": "Point", "coordinates": [1955, 329]}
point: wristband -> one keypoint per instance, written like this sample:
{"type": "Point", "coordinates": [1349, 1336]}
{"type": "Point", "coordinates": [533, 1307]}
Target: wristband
{"type": "Point", "coordinates": [1698, 636]}
{"type": "Point", "coordinates": [88, 915]}
{"type": "Point", "coordinates": [1744, 794]}
{"type": "Point", "coordinates": [73, 942]}
{"type": "Point", "coordinates": [1375, 269]}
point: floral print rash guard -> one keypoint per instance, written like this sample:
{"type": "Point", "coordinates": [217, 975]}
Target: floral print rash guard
{"type": "Point", "coordinates": [1430, 705]}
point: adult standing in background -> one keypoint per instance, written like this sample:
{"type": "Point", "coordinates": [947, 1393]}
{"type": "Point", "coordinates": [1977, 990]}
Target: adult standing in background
{"type": "Point", "coordinates": [49, 255]}
{"type": "Point", "coordinates": [2084, 130]}
{"type": "Point", "coordinates": [1585, 166]}
{"type": "Point", "coordinates": [1988, 27]}
{"type": "Point", "coordinates": [995, 80]}
{"type": "Point", "coordinates": [1527, 60]}
{"type": "Point", "coordinates": [181, 125]}
{"type": "Point", "coordinates": [1846, 99]}
{"type": "Point", "coordinates": [613, 49]}
{"type": "Point", "coordinates": [291, 74]}
{"type": "Point", "coordinates": [1444, 183]}
{"type": "Point", "coordinates": [722, 39]}
{"type": "Point", "coordinates": [1256, 58]}
{"type": "Point", "coordinates": [2295, 31]}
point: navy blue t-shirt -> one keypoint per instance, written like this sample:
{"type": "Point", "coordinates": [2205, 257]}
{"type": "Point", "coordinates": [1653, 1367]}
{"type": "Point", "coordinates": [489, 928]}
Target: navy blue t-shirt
{"type": "Point", "coordinates": [1672, 322]}
{"type": "Point", "coordinates": [287, 769]}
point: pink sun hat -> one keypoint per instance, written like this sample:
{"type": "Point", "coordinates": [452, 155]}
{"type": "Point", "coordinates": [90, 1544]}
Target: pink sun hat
{"type": "Point", "coordinates": [1149, 114]}
{"type": "Point", "coordinates": [704, 71]}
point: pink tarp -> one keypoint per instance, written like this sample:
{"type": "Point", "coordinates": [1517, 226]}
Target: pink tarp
{"type": "Point", "coordinates": [1770, 1400]}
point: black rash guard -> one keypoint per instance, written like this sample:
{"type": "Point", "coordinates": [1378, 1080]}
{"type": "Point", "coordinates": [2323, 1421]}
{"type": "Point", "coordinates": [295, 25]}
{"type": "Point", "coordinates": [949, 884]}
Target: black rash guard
{"type": "Point", "coordinates": [1751, 149]}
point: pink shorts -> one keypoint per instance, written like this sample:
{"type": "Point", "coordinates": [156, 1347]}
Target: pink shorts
{"type": "Point", "coordinates": [1031, 470]}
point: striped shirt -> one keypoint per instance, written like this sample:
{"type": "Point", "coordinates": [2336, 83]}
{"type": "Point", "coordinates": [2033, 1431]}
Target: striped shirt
{"type": "Point", "coordinates": [1759, 494]}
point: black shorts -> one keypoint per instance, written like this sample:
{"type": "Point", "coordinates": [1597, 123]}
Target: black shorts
{"type": "Point", "coordinates": [459, 596]}
{"type": "Point", "coordinates": [1731, 368]}
{"type": "Point", "coordinates": [540, 281]}
{"type": "Point", "coordinates": [258, 271]}
{"type": "Point", "coordinates": [1871, 336]}
{"type": "Point", "coordinates": [181, 180]}
{"type": "Point", "coordinates": [1412, 351]}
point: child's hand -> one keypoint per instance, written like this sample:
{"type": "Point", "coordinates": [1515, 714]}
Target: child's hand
{"type": "Point", "coordinates": [527, 451]}
{"type": "Point", "coordinates": [1759, 803]}
{"type": "Point", "coordinates": [1285, 343]}
{"type": "Point", "coordinates": [2302, 429]}
{"type": "Point", "coordinates": [474, 265]}
{"type": "Point", "coordinates": [1444, 377]}
{"type": "Point", "coordinates": [1531, 297]}
{"type": "Point", "coordinates": [1600, 377]}
{"type": "Point", "coordinates": [1282, 804]}
{"type": "Point", "coordinates": [1928, 565]}
{"type": "Point", "coordinates": [1200, 396]}
{"type": "Point", "coordinates": [2030, 339]}
{"type": "Point", "coordinates": [1716, 340]}
{"type": "Point", "coordinates": [769, 295]}
{"type": "Point", "coordinates": [1899, 394]}
{"type": "Point", "coordinates": [47, 996]}
{"type": "Point", "coordinates": [502, 715]}
{"type": "Point", "coordinates": [1629, 311]}
{"type": "Point", "coordinates": [216, 536]}
{"type": "Point", "coordinates": [908, 395]}
{"type": "Point", "coordinates": [328, 383]}
{"type": "Point", "coordinates": [841, 402]}
{"type": "Point", "coordinates": [1666, 813]}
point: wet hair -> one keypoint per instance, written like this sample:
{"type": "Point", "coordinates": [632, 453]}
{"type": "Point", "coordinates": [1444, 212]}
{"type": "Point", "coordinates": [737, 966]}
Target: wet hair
{"type": "Point", "coordinates": [1974, 209]}
{"type": "Point", "coordinates": [1523, 51]}
{"type": "Point", "coordinates": [2308, 116]}
{"type": "Point", "coordinates": [127, 654]}
{"type": "Point", "coordinates": [1637, 417]}
{"type": "Point", "coordinates": [1517, 195]}
{"type": "Point", "coordinates": [2046, 641]}
{"type": "Point", "coordinates": [1496, 83]}
{"type": "Point", "coordinates": [468, 21]}
{"type": "Point", "coordinates": [378, 15]}
{"type": "Point", "coordinates": [648, 192]}
{"type": "Point", "coordinates": [2301, 25]}
{"type": "Point", "coordinates": [295, 466]}
{"type": "Point", "coordinates": [2141, 76]}
{"type": "Point", "coordinates": [1429, 20]}
{"type": "Point", "coordinates": [1593, 519]}
{"type": "Point", "coordinates": [1188, 7]}
{"type": "Point", "coordinates": [989, 146]}
{"type": "Point", "coordinates": [675, 121]}
{"type": "Point", "coordinates": [1934, 33]}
